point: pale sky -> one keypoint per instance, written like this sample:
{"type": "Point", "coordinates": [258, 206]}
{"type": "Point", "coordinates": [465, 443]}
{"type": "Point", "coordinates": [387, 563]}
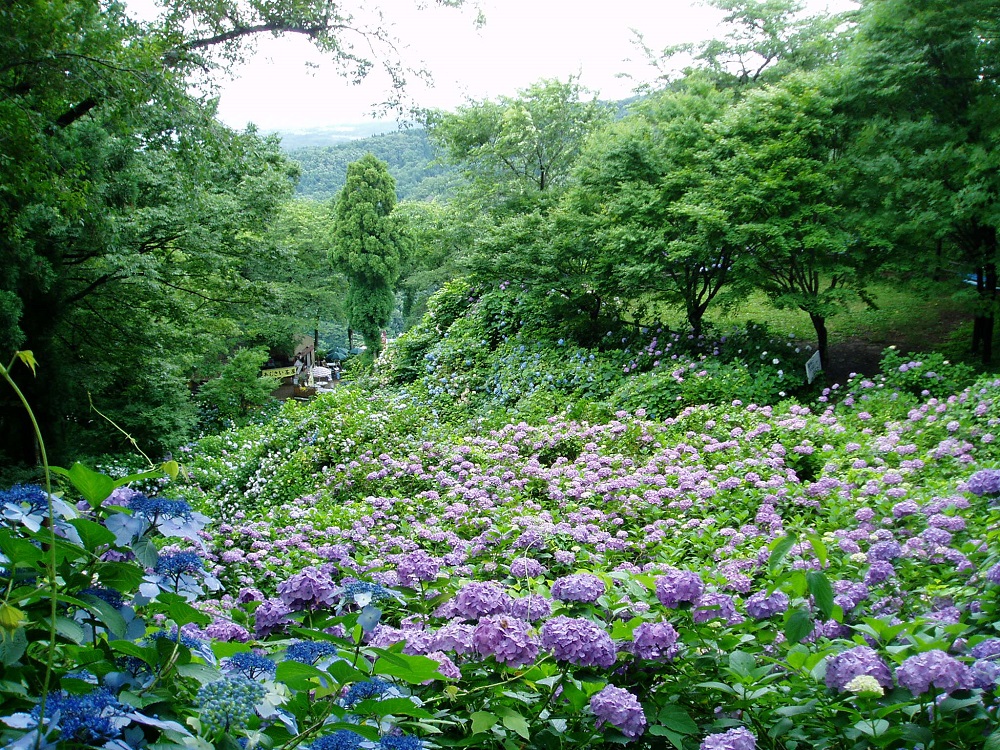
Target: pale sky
{"type": "Point", "coordinates": [287, 85]}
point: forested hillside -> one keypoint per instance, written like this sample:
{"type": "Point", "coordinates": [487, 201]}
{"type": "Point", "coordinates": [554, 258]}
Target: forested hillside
{"type": "Point", "coordinates": [411, 158]}
{"type": "Point", "coordinates": [592, 474]}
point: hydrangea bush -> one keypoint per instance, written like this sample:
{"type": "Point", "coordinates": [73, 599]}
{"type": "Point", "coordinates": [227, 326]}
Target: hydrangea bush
{"type": "Point", "coordinates": [359, 572]}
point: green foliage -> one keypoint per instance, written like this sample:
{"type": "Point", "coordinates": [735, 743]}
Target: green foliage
{"type": "Point", "coordinates": [370, 244]}
{"type": "Point", "coordinates": [239, 389]}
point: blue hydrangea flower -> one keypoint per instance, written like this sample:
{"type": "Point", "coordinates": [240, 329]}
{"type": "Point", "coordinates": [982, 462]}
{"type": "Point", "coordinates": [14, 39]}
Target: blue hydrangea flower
{"type": "Point", "coordinates": [93, 718]}
{"type": "Point", "coordinates": [310, 652]}
{"type": "Point", "coordinates": [400, 742]}
{"type": "Point", "coordinates": [360, 691]}
{"type": "Point", "coordinates": [250, 665]}
{"type": "Point", "coordinates": [179, 563]}
{"type": "Point", "coordinates": [343, 739]}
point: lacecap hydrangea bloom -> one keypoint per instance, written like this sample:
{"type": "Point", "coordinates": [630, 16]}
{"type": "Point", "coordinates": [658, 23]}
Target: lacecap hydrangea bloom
{"type": "Point", "coordinates": [343, 739]}
{"type": "Point", "coordinates": [861, 660]}
{"type": "Point", "coordinates": [509, 640]}
{"type": "Point", "coordinates": [579, 641]}
{"type": "Point", "coordinates": [310, 652]}
{"type": "Point", "coordinates": [935, 669]}
{"type": "Point", "coordinates": [92, 718]}
{"type": "Point", "coordinates": [227, 705]}
{"type": "Point", "coordinates": [250, 665]}
{"type": "Point", "coordinates": [619, 708]}
{"type": "Point", "coordinates": [400, 742]}
{"type": "Point", "coordinates": [580, 587]}
{"type": "Point", "coordinates": [676, 587]}
{"type": "Point", "coordinates": [735, 739]}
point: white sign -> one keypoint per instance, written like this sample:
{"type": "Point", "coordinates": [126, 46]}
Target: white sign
{"type": "Point", "coordinates": [813, 367]}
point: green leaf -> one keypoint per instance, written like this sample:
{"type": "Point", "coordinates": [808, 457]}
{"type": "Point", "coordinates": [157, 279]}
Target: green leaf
{"type": "Point", "coordinates": [822, 592]}
{"type": "Point", "coordinates": [993, 741]}
{"type": "Point", "coordinates": [105, 613]}
{"type": "Point", "coordinates": [676, 739]}
{"type": "Point", "coordinates": [798, 626]}
{"type": "Point", "coordinates": [12, 647]}
{"type": "Point", "coordinates": [69, 629]}
{"type": "Point", "coordinates": [818, 548]}
{"type": "Point", "coordinates": [742, 663]}
{"type": "Point", "coordinates": [779, 549]}
{"type": "Point", "coordinates": [300, 676]}
{"type": "Point", "coordinates": [201, 672]}
{"type": "Point", "coordinates": [143, 653]}
{"type": "Point", "coordinates": [343, 672]}
{"type": "Point", "coordinates": [145, 552]}
{"type": "Point", "coordinates": [414, 669]}
{"type": "Point", "coordinates": [482, 720]}
{"type": "Point", "coordinates": [180, 611]}
{"type": "Point", "coordinates": [124, 577]}
{"type": "Point", "coordinates": [94, 487]}
{"type": "Point", "coordinates": [93, 535]}
{"type": "Point", "coordinates": [19, 551]}
{"type": "Point", "coordinates": [677, 719]}
{"type": "Point", "coordinates": [151, 474]}
{"type": "Point", "coordinates": [514, 722]}
{"type": "Point", "coordinates": [391, 707]}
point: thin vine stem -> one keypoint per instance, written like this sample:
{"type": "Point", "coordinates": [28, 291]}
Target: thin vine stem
{"type": "Point", "coordinates": [50, 561]}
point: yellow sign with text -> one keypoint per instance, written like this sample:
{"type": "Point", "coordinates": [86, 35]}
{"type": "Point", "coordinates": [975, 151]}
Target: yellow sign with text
{"type": "Point", "coordinates": [278, 373]}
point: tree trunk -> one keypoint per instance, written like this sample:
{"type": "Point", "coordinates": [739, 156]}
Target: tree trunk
{"type": "Point", "coordinates": [350, 340]}
{"type": "Point", "coordinates": [819, 323]}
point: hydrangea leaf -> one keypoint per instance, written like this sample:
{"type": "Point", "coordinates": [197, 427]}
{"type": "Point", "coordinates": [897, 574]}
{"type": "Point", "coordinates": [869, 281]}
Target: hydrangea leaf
{"type": "Point", "coordinates": [822, 592]}
{"type": "Point", "coordinates": [94, 487]}
{"type": "Point", "coordinates": [411, 668]}
{"type": "Point", "coordinates": [482, 720]}
{"type": "Point", "coordinates": [798, 626]}
{"type": "Point", "coordinates": [391, 707]}
{"type": "Point", "coordinates": [515, 722]}
{"type": "Point", "coordinates": [780, 548]}
{"type": "Point", "coordinates": [92, 535]}
{"type": "Point", "coordinates": [677, 719]}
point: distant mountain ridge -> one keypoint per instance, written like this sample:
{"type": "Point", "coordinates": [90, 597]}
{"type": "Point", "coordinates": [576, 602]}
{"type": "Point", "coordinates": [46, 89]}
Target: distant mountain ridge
{"type": "Point", "coordinates": [324, 153]}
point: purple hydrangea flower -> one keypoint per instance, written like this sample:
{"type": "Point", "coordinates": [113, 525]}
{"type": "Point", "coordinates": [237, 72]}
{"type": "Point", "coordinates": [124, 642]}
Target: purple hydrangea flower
{"type": "Point", "coordinates": [735, 739]}
{"type": "Point", "coordinates": [993, 575]}
{"type": "Point", "coordinates": [860, 660]}
{"type": "Point", "coordinates": [712, 606]}
{"type": "Point", "coordinates": [988, 649]}
{"type": "Point", "coordinates": [581, 587]}
{"type": "Point", "coordinates": [455, 636]}
{"type": "Point", "coordinates": [654, 640]}
{"type": "Point", "coordinates": [532, 607]}
{"type": "Point", "coordinates": [933, 668]}
{"type": "Point", "coordinates": [481, 598]}
{"type": "Point", "coordinates": [678, 586]}
{"type": "Point", "coordinates": [310, 588]}
{"type": "Point", "coordinates": [887, 550]}
{"type": "Point", "coordinates": [878, 572]}
{"type": "Point", "coordinates": [526, 567]}
{"type": "Point", "coordinates": [579, 641]}
{"type": "Point", "coordinates": [445, 665]}
{"type": "Point", "coordinates": [509, 640]}
{"type": "Point", "coordinates": [620, 709]}
{"type": "Point", "coordinates": [985, 674]}
{"type": "Point", "coordinates": [760, 606]}
{"type": "Point", "coordinates": [984, 482]}
{"type": "Point", "coordinates": [270, 616]}
{"type": "Point", "coordinates": [417, 566]}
